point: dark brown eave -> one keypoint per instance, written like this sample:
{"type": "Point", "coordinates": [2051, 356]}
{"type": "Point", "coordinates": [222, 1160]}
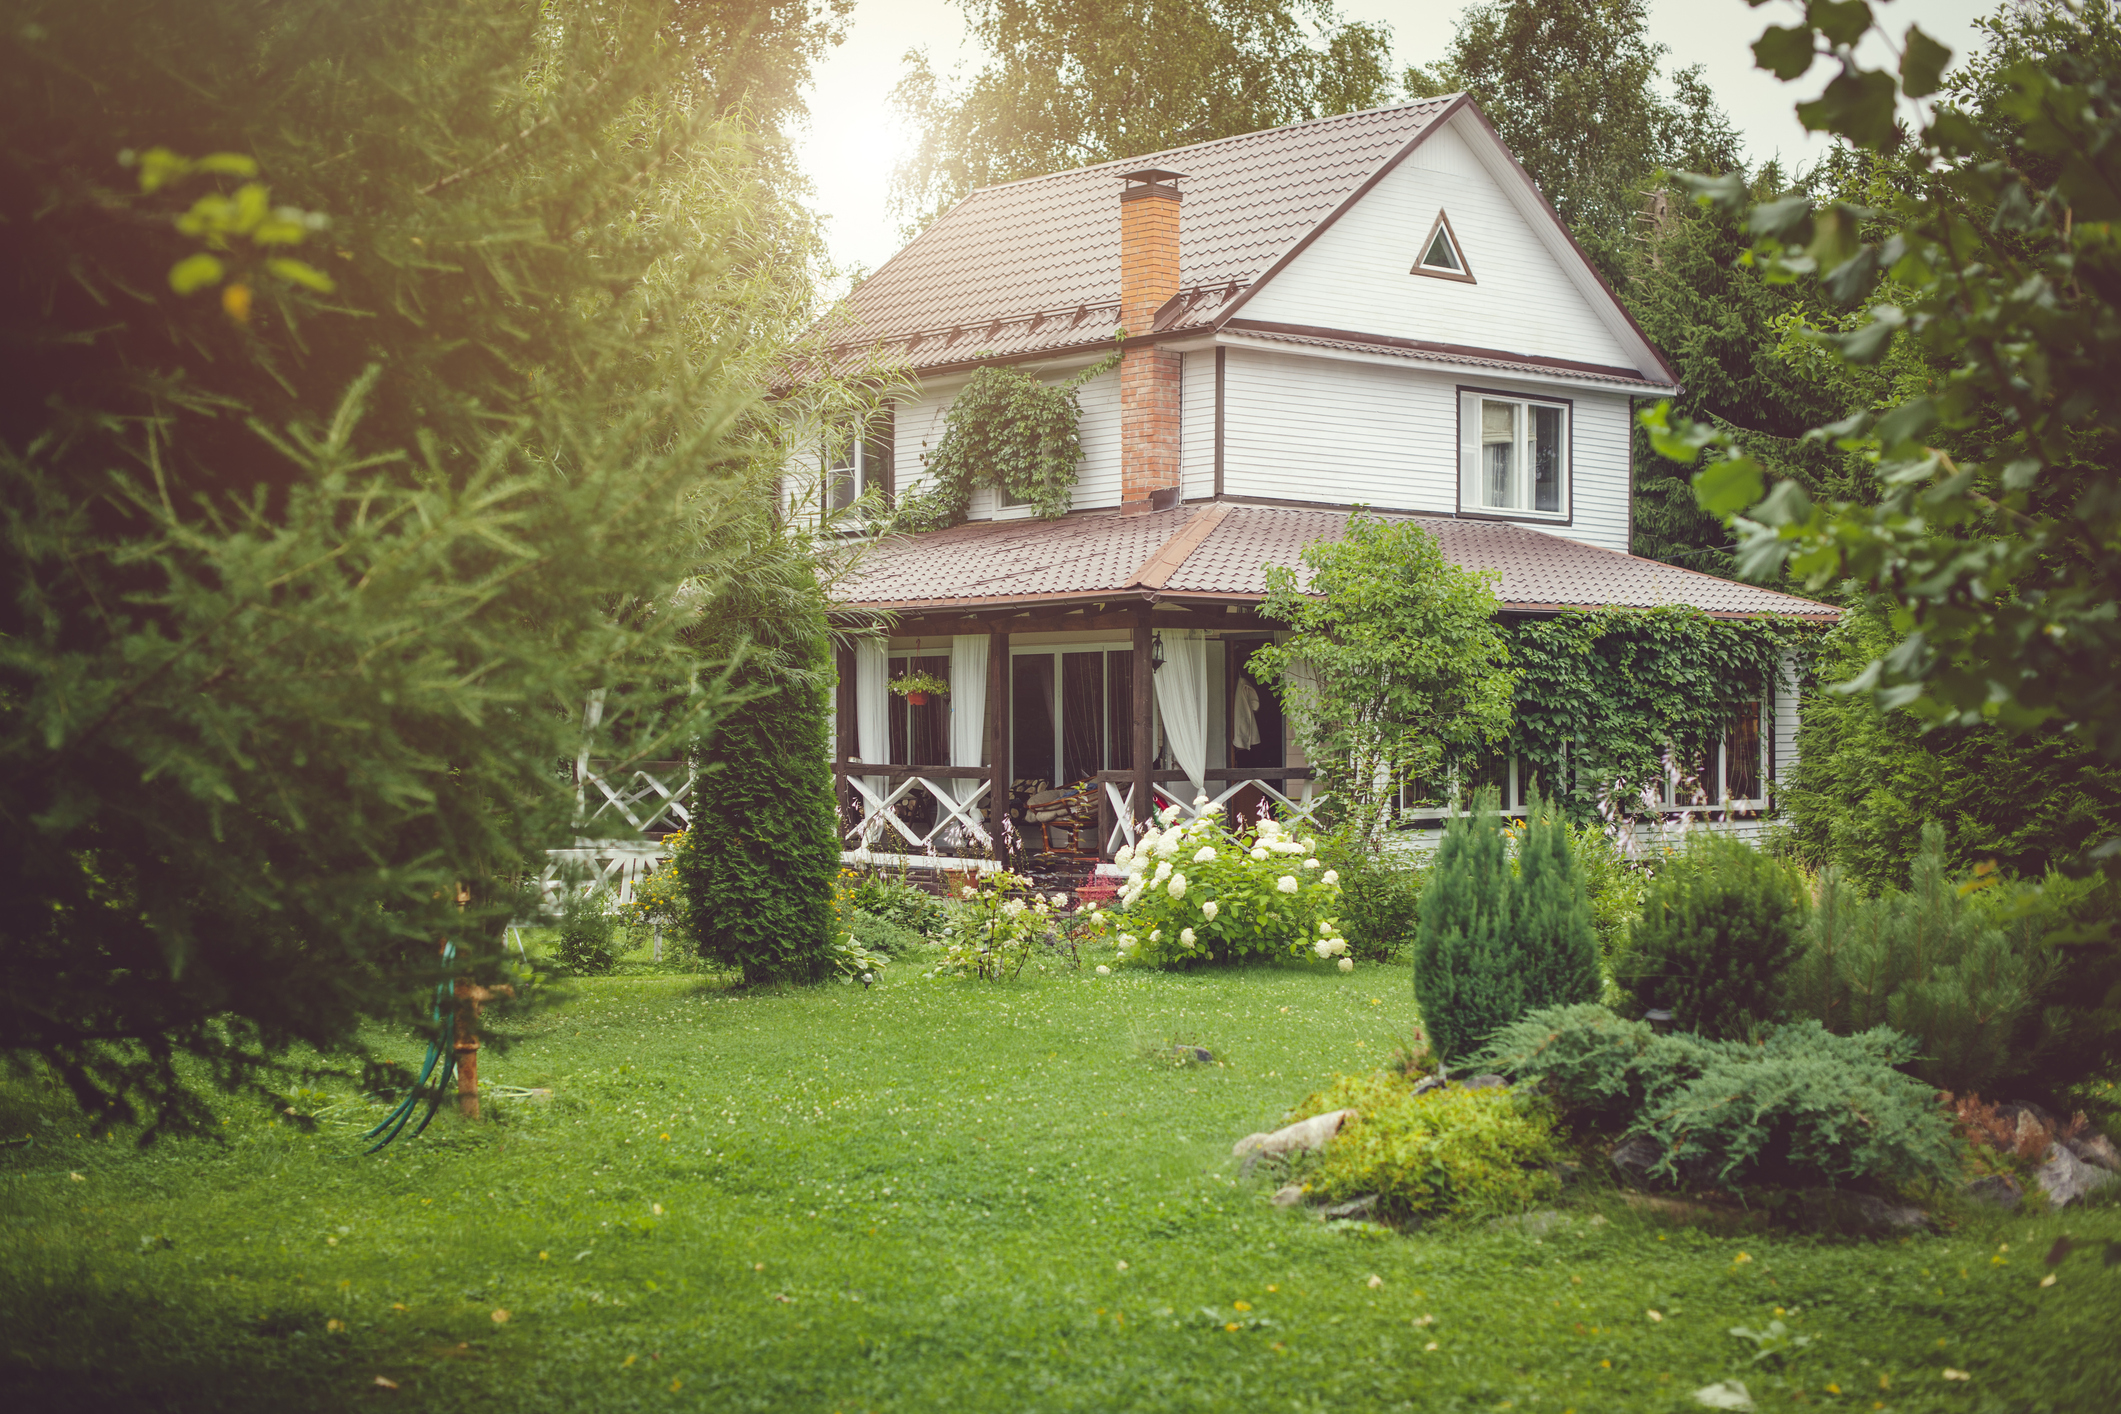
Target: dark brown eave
{"type": "Point", "coordinates": [1421, 346]}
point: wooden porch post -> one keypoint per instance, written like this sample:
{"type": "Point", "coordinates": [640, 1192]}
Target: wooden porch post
{"type": "Point", "coordinates": [998, 681]}
{"type": "Point", "coordinates": [1144, 719]}
{"type": "Point", "coordinates": [849, 742]}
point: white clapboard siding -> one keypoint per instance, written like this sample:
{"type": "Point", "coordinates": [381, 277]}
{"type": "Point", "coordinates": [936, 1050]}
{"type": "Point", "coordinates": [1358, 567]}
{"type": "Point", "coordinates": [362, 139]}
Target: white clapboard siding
{"type": "Point", "coordinates": [1097, 479]}
{"type": "Point", "coordinates": [919, 424]}
{"type": "Point", "coordinates": [1357, 276]}
{"type": "Point", "coordinates": [1305, 427]}
{"type": "Point", "coordinates": [1599, 471]}
{"type": "Point", "coordinates": [1196, 425]}
{"type": "Point", "coordinates": [1788, 698]}
{"type": "Point", "coordinates": [1325, 430]}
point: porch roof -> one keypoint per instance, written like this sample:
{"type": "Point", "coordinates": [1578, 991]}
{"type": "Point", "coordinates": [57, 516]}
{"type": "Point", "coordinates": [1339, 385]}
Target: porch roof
{"type": "Point", "coordinates": [1218, 552]}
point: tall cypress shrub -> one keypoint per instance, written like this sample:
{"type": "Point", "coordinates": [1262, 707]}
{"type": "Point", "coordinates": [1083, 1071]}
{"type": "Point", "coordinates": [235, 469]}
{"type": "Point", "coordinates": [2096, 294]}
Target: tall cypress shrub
{"type": "Point", "coordinates": [759, 862]}
{"type": "Point", "coordinates": [1550, 915]}
{"type": "Point", "coordinates": [1466, 978]}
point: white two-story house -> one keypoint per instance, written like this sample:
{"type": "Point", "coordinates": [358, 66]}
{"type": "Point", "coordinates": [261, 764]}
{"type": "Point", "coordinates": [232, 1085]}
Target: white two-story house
{"type": "Point", "coordinates": [1374, 309]}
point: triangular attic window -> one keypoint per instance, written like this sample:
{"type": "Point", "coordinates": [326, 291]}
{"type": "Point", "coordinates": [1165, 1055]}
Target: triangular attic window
{"type": "Point", "coordinates": [1440, 254]}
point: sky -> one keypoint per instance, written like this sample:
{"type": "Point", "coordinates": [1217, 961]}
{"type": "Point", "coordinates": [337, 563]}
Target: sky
{"type": "Point", "coordinates": [852, 144]}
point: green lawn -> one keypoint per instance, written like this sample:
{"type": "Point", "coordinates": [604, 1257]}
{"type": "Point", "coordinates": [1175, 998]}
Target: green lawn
{"type": "Point", "coordinates": [940, 1195]}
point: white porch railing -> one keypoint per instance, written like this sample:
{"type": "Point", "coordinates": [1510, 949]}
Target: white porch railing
{"type": "Point", "coordinates": [653, 797]}
{"type": "Point", "coordinates": [616, 865]}
{"type": "Point", "coordinates": [1176, 788]}
{"type": "Point", "coordinates": [916, 818]}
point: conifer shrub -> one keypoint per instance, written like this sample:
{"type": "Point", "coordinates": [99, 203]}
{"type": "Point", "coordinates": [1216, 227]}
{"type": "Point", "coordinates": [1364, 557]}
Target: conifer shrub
{"type": "Point", "coordinates": [1466, 980]}
{"type": "Point", "coordinates": [1555, 944]}
{"type": "Point", "coordinates": [1449, 1151]}
{"type": "Point", "coordinates": [760, 859]}
{"type": "Point", "coordinates": [1720, 927]}
{"type": "Point", "coordinates": [1926, 964]}
{"type": "Point", "coordinates": [1802, 1107]}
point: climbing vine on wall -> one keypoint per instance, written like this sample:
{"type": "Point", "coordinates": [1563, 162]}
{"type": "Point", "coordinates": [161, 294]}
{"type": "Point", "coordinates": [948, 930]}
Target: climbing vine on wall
{"type": "Point", "coordinates": [1612, 691]}
{"type": "Point", "coordinates": [1009, 431]}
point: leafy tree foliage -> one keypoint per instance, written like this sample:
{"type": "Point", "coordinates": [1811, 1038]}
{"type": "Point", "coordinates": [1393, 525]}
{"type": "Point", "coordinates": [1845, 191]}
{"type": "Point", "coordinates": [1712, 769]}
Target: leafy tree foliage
{"type": "Point", "coordinates": [1466, 976]}
{"type": "Point", "coordinates": [1992, 543]}
{"type": "Point", "coordinates": [1071, 82]}
{"type": "Point", "coordinates": [314, 546]}
{"type": "Point", "coordinates": [1394, 665]}
{"type": "Point", "coordinates": [1866, 782]}
{"type": "Point", "coordinates": [751, 59]}
{"type": "Point", "coordinates": [1571, 86]}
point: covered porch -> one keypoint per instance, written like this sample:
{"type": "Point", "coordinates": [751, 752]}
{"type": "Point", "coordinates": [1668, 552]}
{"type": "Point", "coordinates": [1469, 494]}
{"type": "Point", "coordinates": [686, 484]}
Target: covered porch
{"type": "Point", "coordinates": [1096, 668]}
{"type": "Point", "coordinates": [1065, 725]}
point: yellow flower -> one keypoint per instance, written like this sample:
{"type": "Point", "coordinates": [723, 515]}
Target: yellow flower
{"type": "Point", "coordinates": [1741, 1257]}
{"type": "Point", "coordinates": [1230, 1326]}
{"type": "Point", "coordinates": [1833, 1388]}
{"type": "Point", "coordinates": [500, 1318]}
{"type": "Point", "coordinates": [1241, 1305]}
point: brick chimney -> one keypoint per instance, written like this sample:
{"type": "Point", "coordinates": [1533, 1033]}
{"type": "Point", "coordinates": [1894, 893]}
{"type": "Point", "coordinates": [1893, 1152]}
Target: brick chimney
{"type": "Point", "coordinates": [1148, 376]}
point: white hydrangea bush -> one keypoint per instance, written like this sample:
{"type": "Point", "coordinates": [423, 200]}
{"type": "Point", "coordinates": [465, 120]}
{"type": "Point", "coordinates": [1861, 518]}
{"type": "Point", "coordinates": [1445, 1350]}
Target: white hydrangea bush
{"type": "Point", "coordinates": [1196, 892]}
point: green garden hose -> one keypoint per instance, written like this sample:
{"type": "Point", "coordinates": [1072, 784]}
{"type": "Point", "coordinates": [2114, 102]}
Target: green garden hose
{"type": "Point", "coordinates": [441, 1051]}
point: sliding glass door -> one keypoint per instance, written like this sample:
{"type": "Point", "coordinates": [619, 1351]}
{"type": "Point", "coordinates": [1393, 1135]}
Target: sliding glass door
{"type": "Point", "coordinates": [1070, 713]}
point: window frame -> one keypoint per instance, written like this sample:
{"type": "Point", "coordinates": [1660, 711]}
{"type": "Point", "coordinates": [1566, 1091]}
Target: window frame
{"type": "Point", "coordinates": [1463, 274]}
{"type": "Point", "coordinates": [1469, 504]}
{"type": "Point", "coordinates": [868, 457]}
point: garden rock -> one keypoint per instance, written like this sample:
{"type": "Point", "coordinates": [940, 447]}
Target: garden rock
{"type": "Point", "coordinates": [1312, 1133]}
{"type": "Point", "coordinates": [1486, 1082]}
{"type": "Point", "coordinates": [2098, 1150]}
{"type": "Point", "coordinates": [1194, 1055]}
{"type": "Point", "coordinates": [1363, 1207]}
{"type": "Point", "coordinates": [1288, 1195]}
{"type": "Point", "coordinates": [1634, 1157]}
{"type": "Point", "coordinates": [2065, 1178]}
{"type": "Point", "coordinates": [1432, 1082]}
{"type": "Point", "coordinates": [1998, 1190]}
{"type": "Point", "coordinates": [1837, 1210]}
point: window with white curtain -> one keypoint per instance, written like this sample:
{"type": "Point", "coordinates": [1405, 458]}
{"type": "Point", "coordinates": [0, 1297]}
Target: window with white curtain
{"type": "Point", "coordinates": [1515, 455]}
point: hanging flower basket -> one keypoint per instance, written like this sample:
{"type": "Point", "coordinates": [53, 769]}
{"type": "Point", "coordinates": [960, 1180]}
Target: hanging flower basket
{"type": "Point", "coordinates": [917, 688]}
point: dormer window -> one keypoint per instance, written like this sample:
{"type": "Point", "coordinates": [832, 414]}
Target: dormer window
{"type": "Point", "coordinates": [1441, 255]}
{"type": "Point", "coordinates": [1513, 455]}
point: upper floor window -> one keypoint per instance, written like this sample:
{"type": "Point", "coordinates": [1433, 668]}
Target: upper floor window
{"type": "Point", "coordinates": [855, 465]}
{"type": "Point", "coordinates": [1514, 455]}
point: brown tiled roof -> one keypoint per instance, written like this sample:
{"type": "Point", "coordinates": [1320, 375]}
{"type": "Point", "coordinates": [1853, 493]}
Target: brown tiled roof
{"type": "Point", "coordinates": [1081, 556]}
{"type": "Point", "coordinates": [1033, 266]}
{"type": "Point", "coordinates": [1008, 560]}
